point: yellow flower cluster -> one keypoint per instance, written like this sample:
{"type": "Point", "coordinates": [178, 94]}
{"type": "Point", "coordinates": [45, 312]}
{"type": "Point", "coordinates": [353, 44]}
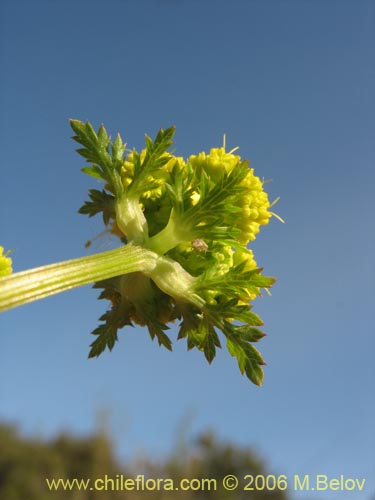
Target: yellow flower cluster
{"type": "Point", "coordinates": [254, 203]}
{"type": "Point", "coordinates": [5, 263]}
{"type": "Point", "coordinates": [216, 163]}
{"type": "Point", "coordinates": [255, 208]}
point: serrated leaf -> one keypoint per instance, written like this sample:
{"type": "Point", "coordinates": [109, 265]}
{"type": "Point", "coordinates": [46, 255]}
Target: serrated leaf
{"type": "Point", "coordinates": [103, 137]}
{"type": "Point", "coordinates": [250, 318]}
{"type": "Point", "coordinates": [118, 149]}
{"type": "Point", "coordinates": [164, 340]}
{"type": "Point", "coordinates": [148, 141]}
{"type": "Point", "coordinates": [235, 282]}
{"type": "Point", "coordinates": [153, 160]}
{"type": "Point", "coordinates": [256, 279]}
{"type": "Point", "coordinates": [248, 333]}
{"type": "Point", "coordinates": [90, 132]}
{"type": "Point", "coordinates": [195, 338]}
{"type": "Point", "coordinates": [214, 208]}
{"type": "Point", "coordinates": [100, 202]}
{"type": "Point", "coordinates": [190, 321]}
{"type": "Point", "coordinates": [86, 153]}
{"type": "Point", "coordinates": [93, 171]}
{"type": "Point", "coordinates": [96, 150]}
{"type": "Point", "coordinates": [252, 353]}
{"type": "Point", "coordinates": [192, 342]}
{"type": "Point", "coordinates": [249, 360]}
{"type": "Point", "coordinates": [209, 346]}
{"type": "Point", "coordinates": [106, 338]}
{"type": "Point", "coordinates": [77, 126]}
{"type": "Point", "coordinates": [255, 374]}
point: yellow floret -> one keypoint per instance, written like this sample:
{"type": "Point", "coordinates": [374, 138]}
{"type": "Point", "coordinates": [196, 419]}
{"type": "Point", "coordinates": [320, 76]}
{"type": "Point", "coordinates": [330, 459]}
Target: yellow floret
{"type": "Point", "coordinates": [5, 263]}
{"type": "Point", "coordinates": [255, 208]}
{"type": "Point", "coordinates": [254, 202]}
{"type": "Point", "coordinates": [246, 256]}
{"type": "Point", "coordinates": [216, 163]}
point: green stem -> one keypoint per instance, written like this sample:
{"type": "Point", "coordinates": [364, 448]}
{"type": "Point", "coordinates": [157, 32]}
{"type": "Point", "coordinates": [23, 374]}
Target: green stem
{"type": "Point", "coordinates": [38, 283]}
{"type": "Point", "coordinates": [174, 233]}
{"type": "Point", "coordinates": [131, 220]}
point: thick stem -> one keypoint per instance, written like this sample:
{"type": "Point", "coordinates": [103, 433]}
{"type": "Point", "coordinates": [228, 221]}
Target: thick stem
{"type": "Point", "coordinates": [131, 220]}
{"type": "Point", "coordinates": [38, 283]}
{"type": "Point", "coordinates": [173, 234]}
{"type": "Point", "coordinates": [172, 279]}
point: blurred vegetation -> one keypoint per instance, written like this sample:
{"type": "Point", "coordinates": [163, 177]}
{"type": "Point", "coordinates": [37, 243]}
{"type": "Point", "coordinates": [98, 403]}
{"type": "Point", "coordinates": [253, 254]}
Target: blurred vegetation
{"type": "Point", "coordinates": [25, 463]}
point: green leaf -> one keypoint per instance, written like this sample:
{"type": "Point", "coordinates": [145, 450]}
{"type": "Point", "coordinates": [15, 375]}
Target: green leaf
{"type": "Point", "coordinates": [250, 317]}
{"type": "Point", "coordinates": [255, 374]}
{"type": "Point", "coordinates": [190, 322]}
{"type": "Point", "coordinates": [153, 161]}
{"type": "Point", "coordinates": [209, 344]}
{"type": "Point", "coordinates": [103, 138]}
{"type": "Point", "coordinates": [248, 333]}
{"type": "Point", "coordinates": [195, 338]}
{"type": "Point", "coordinates": [164, 340]}
{"type": "Point", "coordinates": [156, 327]}
{"type": "Point", "coordinates": [96, 150]}
{"type": "Point", "coordinates": [249, 360]}
{"type": "Point", "coordinates": [215, 215]}
{"type": "Point", "coordinates": [118, 149]}
{"type": "Point", "coordinates": [93, 171]}
{"type": "Point", "coordinates": [235, 280]}
{"type": "Point", "coordinates": [106, 335]}
{"type": "Point", "coordinates": [100, 202]}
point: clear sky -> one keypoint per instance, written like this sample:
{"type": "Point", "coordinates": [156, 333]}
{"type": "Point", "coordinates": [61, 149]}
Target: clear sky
{"type": "Point", "coordinates": [289, 81]}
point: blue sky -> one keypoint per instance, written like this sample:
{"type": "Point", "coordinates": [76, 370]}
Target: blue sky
{"type": "Point", "coordinates": [290, 82]}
